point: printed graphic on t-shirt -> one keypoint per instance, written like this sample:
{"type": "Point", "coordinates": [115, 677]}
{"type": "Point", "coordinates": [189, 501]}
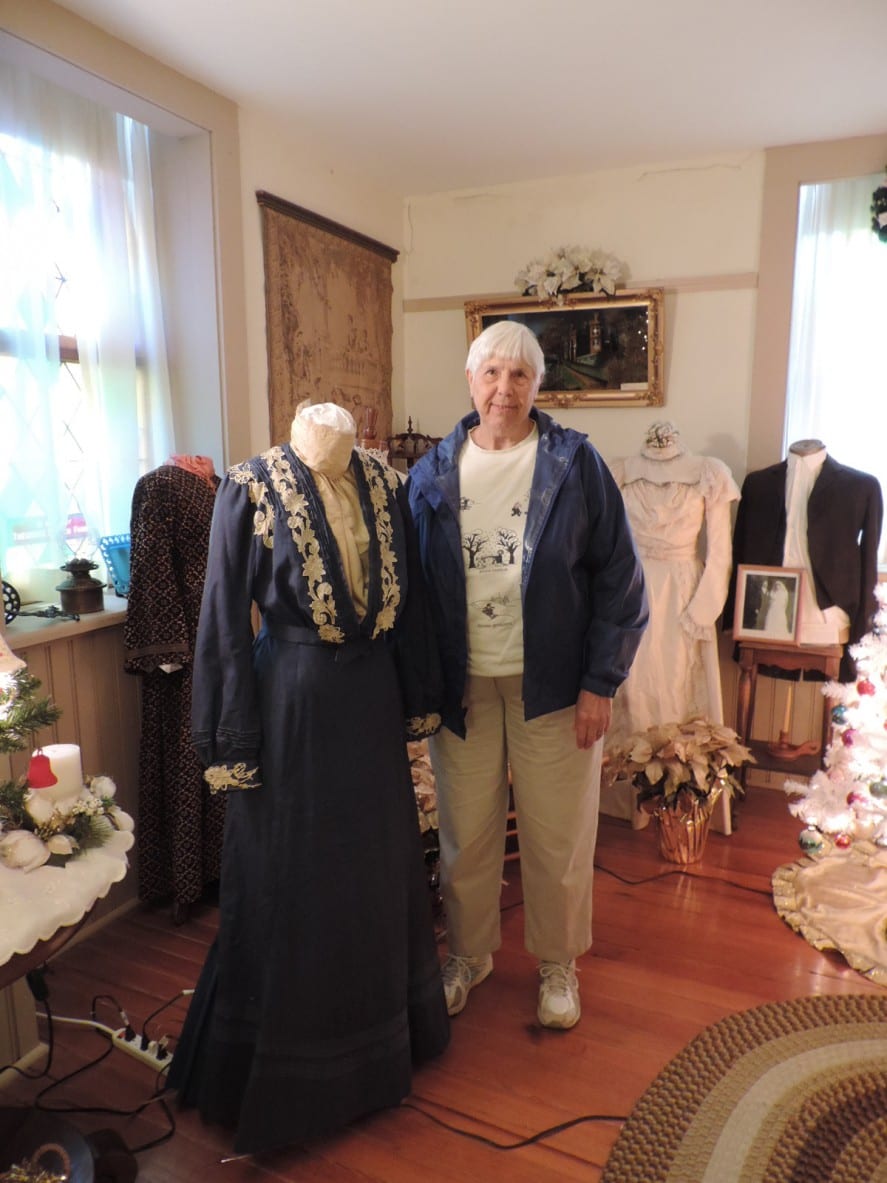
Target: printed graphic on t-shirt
{"type": "Point", "coordinates": [498, 610]}
{"type": "Point", "coordinates": [494, 500]}
{"type": "Point", "coordinates": [490, 549]}
{"type": "Point", "coordinates": [492, 563]}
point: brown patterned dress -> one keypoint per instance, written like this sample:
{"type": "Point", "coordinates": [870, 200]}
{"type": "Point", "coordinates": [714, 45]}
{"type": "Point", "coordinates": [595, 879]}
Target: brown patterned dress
{"type": "Point", "coordinates": [180, 824]}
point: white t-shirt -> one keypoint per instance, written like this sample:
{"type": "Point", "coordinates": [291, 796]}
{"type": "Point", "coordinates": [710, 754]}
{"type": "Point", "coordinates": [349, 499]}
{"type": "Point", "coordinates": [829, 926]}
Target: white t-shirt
{"type": "Point", "coordinates": [494, 498]}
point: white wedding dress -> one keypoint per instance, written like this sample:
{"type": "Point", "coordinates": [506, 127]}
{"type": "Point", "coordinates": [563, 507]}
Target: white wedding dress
{"type": "Point", "coordinates": [679, 511]}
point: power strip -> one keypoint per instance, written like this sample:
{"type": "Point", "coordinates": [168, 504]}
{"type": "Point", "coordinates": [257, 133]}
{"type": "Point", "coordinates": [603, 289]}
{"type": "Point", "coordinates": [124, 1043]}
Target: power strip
{"type": "Point", "coordinates": [132, 1045]}
{"type": "Point", "coordinates": [148, 1055]}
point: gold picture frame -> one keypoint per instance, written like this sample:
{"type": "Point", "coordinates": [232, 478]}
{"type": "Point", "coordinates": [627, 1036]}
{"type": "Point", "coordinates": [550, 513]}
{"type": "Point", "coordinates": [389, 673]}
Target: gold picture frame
{"type": "Point", "coordinates": [600, 351]}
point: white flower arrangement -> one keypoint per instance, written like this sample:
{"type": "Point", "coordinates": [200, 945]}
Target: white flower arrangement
{"type": "Point", "coordinates": [571, 269]}
{"type": "Point", "coordinates": [34, 829]}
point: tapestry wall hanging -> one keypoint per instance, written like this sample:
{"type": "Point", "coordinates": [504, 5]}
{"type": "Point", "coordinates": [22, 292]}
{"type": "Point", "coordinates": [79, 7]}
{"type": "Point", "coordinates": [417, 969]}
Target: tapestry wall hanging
{"type": "Point", "coordinates": [328, 315]}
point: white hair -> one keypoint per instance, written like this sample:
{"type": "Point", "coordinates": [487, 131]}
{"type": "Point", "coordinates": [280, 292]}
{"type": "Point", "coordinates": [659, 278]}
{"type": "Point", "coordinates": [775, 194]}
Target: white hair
{"type": "Point", "coordinates": [509, 339]}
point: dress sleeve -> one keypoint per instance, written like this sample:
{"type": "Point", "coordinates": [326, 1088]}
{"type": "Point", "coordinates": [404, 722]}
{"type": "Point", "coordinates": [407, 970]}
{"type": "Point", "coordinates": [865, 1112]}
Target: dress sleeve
{"type": "Point", "coordinates": [225, 712]}
{"type": "Point", "coordinates": [869, 541]}
{"type": "Point", "coordinates": [415, 651]}
{"type": "Point", "coordinates": [155, 631]}
{"type": "Point", "coordinates": [707, 602]}
{"type": "Point", "coordinates": [619, 608]}
{"type": "Point", "coordinates": [705, 606]}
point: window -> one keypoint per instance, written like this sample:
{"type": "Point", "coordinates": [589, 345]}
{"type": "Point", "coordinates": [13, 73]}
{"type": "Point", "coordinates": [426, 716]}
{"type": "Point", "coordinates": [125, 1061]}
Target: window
{"type": "Point", "coordinates": [837, 387]}
{"type": "Point", "coordinates": [84, 389]}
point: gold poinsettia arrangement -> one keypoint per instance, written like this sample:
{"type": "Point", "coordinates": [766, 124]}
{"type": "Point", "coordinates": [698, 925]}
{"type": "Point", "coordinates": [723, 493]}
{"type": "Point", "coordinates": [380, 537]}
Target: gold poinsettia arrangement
{"type": "Point", "coordinates": [677, 766]}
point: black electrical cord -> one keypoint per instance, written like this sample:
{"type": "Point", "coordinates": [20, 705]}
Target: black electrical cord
{"type": "Point", "coordinates": [39, 1101]}
{"type": "Point", "coordinates": [667, 874]}
{"type": "Point", "coordinates": [164, 1137]}
{"type": "Point", "coordinates": [160, 1009]}
{"type": "Point", "coordinates": [36, 980]}
{"type": "Point", "coordinates": [156, 1098]}
{"type": "Point", "coordinates": [537, 1137]}
{"type": "Point", "coordinates": [124, 1017]}
{"type": "Point", "coordinates": [678, 871]}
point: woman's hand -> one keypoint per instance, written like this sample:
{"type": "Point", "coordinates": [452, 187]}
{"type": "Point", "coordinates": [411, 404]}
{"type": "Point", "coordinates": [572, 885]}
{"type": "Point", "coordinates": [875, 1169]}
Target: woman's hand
{"type": "Point", "coordinates": [593, 715]}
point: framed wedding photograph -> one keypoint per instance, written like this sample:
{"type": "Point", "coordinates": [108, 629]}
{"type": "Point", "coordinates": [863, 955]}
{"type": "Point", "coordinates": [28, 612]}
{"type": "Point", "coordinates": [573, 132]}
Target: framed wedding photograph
{"type": "Point", "coordinates": [600, 351]}
{"type": "Point", "coordinates": [768, 603]}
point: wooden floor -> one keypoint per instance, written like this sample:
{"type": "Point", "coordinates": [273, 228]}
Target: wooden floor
{"type": "Point", "coordinates": [673, 952]}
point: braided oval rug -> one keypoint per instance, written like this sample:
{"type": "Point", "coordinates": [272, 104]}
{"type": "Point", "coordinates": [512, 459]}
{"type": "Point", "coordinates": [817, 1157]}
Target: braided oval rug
{"type": "Point", "coordinates": [789, 1092]}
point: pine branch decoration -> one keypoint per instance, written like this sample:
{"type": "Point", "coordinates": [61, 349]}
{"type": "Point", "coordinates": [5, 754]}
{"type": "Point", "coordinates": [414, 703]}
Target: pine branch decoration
{"type": "Point", "coordinates": [22, 713]}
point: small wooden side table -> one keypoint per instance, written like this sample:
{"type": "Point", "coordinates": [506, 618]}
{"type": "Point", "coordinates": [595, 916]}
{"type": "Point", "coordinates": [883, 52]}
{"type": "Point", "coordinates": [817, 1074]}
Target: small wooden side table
{"type": "Point", "coordinates": [752, 655]}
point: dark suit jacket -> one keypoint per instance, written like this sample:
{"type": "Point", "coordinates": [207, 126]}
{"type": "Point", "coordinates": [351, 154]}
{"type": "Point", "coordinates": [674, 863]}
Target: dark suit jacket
{"type": "Point", "coordinates": [844, 515]}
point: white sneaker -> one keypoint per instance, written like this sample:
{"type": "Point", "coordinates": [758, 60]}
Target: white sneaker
{"type": "Point", "coordinates": [460, 975]}
{"type": "Point", "coordinates": [558, 994]}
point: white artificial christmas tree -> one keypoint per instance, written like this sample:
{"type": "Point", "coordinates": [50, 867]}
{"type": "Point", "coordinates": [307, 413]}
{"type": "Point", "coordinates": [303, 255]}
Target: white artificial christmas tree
{"type": "Point", "coordinates": [847, 800]}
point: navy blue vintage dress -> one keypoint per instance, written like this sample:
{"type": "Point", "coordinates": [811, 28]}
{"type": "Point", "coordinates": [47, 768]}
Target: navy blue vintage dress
{"type": "Point", "coordinates": [323, 986]}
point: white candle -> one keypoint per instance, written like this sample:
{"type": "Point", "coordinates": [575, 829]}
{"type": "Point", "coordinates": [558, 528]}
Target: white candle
{"type": "Point", "coordinates": [64, 762]}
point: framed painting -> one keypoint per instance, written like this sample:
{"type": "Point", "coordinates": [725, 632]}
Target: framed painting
{"type": "Point", "coordinates": [767, 603]}
{"type": "Point", "coordinates": [600, 351]}
{"type": "Point", "coordinates": [328, 317]}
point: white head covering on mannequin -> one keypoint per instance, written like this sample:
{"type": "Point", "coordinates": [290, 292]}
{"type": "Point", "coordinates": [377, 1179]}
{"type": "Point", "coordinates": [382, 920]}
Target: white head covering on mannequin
{"type": "Point", "coordinates": [323, 436]}
{"type": "Point", "coordinates": [663, 441]}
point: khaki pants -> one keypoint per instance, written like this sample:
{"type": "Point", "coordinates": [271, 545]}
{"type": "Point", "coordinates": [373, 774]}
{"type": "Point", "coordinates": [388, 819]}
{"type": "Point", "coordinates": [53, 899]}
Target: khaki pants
{"type": "Point", "coordinates": [556, 789]}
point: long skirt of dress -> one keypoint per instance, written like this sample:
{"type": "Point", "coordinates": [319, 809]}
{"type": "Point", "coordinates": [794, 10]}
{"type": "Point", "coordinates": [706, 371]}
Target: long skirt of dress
{"type": "Point", "coordinates": [180, 824]}
{"type": "Point", "coordinates": [323, 988]}
{"type": "Point", "coordinates": [674, 676]}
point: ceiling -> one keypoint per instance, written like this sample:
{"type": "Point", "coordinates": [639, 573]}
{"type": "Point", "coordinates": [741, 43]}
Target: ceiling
{"type": "Point", "coordinates": [453, 94]}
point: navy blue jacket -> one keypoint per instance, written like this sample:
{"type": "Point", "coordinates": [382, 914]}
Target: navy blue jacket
{"type": "Point", "coordinates": [582, 586]}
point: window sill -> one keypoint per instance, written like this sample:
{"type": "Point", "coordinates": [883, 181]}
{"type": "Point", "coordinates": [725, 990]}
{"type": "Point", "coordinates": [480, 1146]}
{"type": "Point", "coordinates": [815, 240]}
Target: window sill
{"type": "Point", "coordinates": [27, 631]}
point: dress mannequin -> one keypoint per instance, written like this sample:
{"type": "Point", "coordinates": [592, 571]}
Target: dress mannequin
{"type": "Point", "coordinates": [323, 986]}
{"type": "Point", "coordinates": [678, 507]}
{"type": "Point", "coordinates": [811, 512]}
{"type": "Point", "coordinates": [180, 827]}
{"type": "Point", "coordinates": [807, 447]}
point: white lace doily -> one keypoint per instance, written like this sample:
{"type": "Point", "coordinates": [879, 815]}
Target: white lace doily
{"type": "Point", "coordinates": [35, 904]}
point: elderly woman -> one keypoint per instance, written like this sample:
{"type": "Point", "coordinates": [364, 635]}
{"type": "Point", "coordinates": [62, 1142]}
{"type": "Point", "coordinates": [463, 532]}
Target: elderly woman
{"type": "Point", "coordinates": [539, 606]}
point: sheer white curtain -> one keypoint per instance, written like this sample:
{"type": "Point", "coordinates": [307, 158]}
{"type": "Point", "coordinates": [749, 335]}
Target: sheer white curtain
{"type": "Point", "coordinates": [837, 382]}
{"type": "Point", "coordinates": [78, 259]}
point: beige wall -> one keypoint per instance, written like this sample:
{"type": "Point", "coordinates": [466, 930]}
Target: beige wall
{"type": "Point", "coordinates": [692, 227]}
{"type": "Point", "coordinates": [279, 160]}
